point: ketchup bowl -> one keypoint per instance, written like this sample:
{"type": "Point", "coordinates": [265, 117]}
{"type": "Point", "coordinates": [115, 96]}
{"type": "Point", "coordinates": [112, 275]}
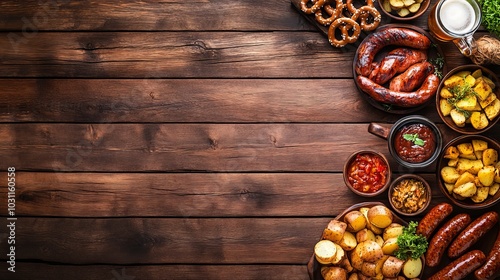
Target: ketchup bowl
{"type": "Point", "coordinates": [367, 173]}
{"type": "Point", "coordinates": [413, 141]}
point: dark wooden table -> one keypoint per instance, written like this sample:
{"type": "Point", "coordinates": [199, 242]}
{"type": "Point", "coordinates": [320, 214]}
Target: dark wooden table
{"type": "Point", "coordinates": [177, 139]}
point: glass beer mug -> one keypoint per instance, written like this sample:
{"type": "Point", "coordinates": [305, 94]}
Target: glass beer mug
{"type": "Point", "coordinates": [456, 21]}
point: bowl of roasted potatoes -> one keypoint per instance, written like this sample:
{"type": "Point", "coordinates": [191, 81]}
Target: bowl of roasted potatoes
{"type": "Point", "coordinates": [404, 10]}
{"type": "Point", "coordinates": [468, 99]}
{"type": "Point", "coordinates": [468, 171]}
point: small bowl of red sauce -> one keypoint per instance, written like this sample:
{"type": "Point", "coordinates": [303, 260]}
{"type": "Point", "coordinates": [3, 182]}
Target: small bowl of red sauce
{"type": "Point", "coordinates": [367, 173]}
{"type": "Point", "coordinates": [414, 141]}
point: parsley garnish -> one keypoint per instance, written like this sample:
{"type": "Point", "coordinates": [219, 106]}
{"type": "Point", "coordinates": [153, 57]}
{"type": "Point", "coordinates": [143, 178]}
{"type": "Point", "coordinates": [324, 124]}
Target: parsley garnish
{"type": "Point", "coordinates": [414, 138]}
{"type": "Point", "coordinates": [411, 245]}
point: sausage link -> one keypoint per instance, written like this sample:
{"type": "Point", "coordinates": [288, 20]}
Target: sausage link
{"type": "Point", "coordinates": [389, 36]}
{"type": "Point", "coordinates": [433, 218]}
{"type": "Point", "coordinates": [443, 238]}
{"type": "Point", "coordinates": [413, 77]}
{"type": "Point", "coordinates": [396, 61]}
{"type": "Point", "coordinates": [461, 267]}
{"type": "Point", "coordinates": [402, 99]}
{"type": "Point", "coordinates": [472, 233]}
{"type": "Point", "coordinates": [492, 266]}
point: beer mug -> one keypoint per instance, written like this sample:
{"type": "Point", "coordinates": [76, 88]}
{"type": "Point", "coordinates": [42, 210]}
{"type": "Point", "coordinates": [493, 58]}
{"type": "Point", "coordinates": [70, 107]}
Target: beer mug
{"type": "Point", "coordinates": [456, 20]}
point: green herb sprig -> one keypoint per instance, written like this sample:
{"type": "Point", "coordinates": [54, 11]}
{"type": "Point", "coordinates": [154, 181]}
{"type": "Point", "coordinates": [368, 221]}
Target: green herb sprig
{"type": "Point", "coordinates": [411, 244]}
{"type": "Point", "coordinates": [414, 138]}
{"type": "Point", "coordinates": [460, 92]}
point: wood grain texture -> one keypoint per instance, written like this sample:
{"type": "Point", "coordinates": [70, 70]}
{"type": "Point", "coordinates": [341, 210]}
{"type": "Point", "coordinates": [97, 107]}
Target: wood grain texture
{"type": "Point", "coordinates": [145, 55]}
{"type": "Point", "coordinates": [185, 194]}
{"type": "Point", "coordinates": [189, 147]}
{"type": "Point", "coordinates": [188, 101]}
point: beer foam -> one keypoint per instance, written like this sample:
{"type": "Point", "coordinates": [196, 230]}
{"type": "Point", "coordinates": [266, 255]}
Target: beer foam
{"type": "Point", "coordinates": [458, 16]}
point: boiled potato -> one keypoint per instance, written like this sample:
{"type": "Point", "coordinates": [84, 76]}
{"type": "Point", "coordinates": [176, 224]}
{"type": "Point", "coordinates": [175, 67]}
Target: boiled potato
{"type": "Point", "coordinates": [334, 231]}
{"type": "Point", "coordinates": [369, 225]}
{"type": "Point", "coordinates": [412, 268]}
{"type": "Point", "coordinates": [355, 220]}
{"type": "Point", "coordinates": [486, 175]}
{"type": "Point", "coordinates": [414, 7]}
{"type": "Point", "coordinates": [387, 6]}
{"type": "Point", "coordinates": [346, 264]}
{"type": "Point", "coordinates": [403, 12]}
{"type": "Point", "coordinates": [356, 260]}
{"type": "Point", "coordinates": [392, 267]}
{"type": "Point", "coordinates": [325, 251]}
{"type": "Point", "coordinates": [365, 234]}
{"type": "Point", "coordinates": [348, 241]}
{"type": "Point", "coordinates": [369, 269]}
{"type": "Point", "coordinates": [390, 245]}
{"type": "Point", "coordinates": [333, 273]}
{"type": "Point", "coordinates": [393, 230]}
{"type": "Point", "coordinates": [466, 190]}
{"type": "Point", "coordinates": [379, 239]}
{"type": "Point", "coordinates": [449, 174]}
{"type": "Point", "coordinates": [354, 276]}
{"type": "Point", "coordinates": [397, 4]}
{"type": "Point", "coordinates": [490, 157]}
{"type": "Point", "coordinates": [339, 255]}
{"type": "Point", "coordinates": [370, 251]}
{"type": "Point", "coordinates": [380, 216]}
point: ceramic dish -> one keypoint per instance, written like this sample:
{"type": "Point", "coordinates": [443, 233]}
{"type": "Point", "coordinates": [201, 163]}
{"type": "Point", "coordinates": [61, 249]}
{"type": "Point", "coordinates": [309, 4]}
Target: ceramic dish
{"type": "Point", "coordinates": [393, 13]}
{"type": "Point", "coordinates": [382, 173]}
{"type": "Point", "coordinates": [434, 55]}
{"type": "Point", "coordinates": [409, 195]}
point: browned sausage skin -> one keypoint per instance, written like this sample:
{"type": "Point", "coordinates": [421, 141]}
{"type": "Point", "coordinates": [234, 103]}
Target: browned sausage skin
{"type": "Point", "coordinates": [396, 61]}
{"type": "Point", "coordinates": [413, 77]}
{"type": "Point", "coordinates": [390, 36]}
{"type": "Point", "coordinates": [433, 218]}
{"type": "Point", "coordinates": [443, 237]}
{"type": "Point", "coordinates": [403, 99]}
{"type": "Point", "coordinates": [472, 233]}
{"type": "Point", "coordinates": [461, 267]}
{"type": "Point", "coordinates": [491, 268]}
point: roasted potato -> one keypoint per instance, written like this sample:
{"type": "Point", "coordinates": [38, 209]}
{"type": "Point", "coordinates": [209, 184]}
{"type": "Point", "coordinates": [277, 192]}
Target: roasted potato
{"type": "Point", "coordinates": [466, 190]}
{"type": "Point", "coordinates": [486, 175]}
{"type": "Point", "coordinates": [490, 157]}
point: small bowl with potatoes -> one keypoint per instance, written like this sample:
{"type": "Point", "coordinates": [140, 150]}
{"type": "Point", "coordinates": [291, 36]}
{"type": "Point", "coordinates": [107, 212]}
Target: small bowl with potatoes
{"type": "Point", "coordinates": [404, 10]}
{"type": "Point", "coordinates": [468, 99]}
{"type": "Point", "coordinates": [362, 243]}
{"type": "Point", "coordinates": [468, 171]}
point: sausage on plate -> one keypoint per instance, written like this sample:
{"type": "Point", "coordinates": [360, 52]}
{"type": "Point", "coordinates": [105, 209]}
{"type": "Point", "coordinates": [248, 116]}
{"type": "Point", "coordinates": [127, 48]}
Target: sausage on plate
{"type": "Point", "coordinates": [433, 218]}
{"type": "Point", "coordinates": [398, 36]}
{"type": "Point", "coordinates": [413, 77]}
{"type": "Point", "coordinates": [443, 237]}
{"type": "Point", "coordinates": [461, 267]}
{"type": "Point", "coordinates": [399, 98]}
{"type": "Point", "coordinates": [397, 61]}
{"type": "Point", "coordinates": [491, 267]}
{"type": "Point", "coordinates": [472, 233]}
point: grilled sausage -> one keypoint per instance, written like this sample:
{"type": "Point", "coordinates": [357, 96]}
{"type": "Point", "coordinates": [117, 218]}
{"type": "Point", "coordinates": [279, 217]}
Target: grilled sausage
{"type": "Point", "coordinates": [413, 77]}
{"type": "Point", "coordinates": [443, 238]}
{"type": "Point", "coordinates": [491, 268]}
{"type": "Point", "coordinates": [471, 234]}
{"type": "Point", "coordinates": [402, 99]}
{"type": "Point", "coordinates": [461, 267]}
{"type": "Point", "coordinates": [433, 218]}
{"type": "Point", "coordinates": [396, 61]}
{"type": "Point", "coordinates": [390, 36]}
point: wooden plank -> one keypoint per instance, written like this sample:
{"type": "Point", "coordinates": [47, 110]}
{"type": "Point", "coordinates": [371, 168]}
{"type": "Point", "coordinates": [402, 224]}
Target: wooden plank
{"type": "Point", "coordinates": [167, 240]}
{"type": "Point", "coordinates": [254, 15]}
{"type": "Point", "coordinates": [146, 55]}
{"type": "Point", "coordinates": [188, 147]}
{"type": "Point", "coordinates": [192, 100]}
{"type": "Point", "coordinates": [184, 194]}
{"type": "Point", "coordinates": [154, 272]}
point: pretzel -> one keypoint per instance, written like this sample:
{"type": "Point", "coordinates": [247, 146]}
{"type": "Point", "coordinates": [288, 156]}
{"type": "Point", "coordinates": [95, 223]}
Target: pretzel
{"type": "Point", "coordinates": [352, 9]}
{"type": "Point", "coordinates": [316, 6]}
{"type": "Point", "coordinates": [344, 24]}
{"type": "Point", "coordinates": [334, 13]}
{"type": "Point", "coordinates": [363, 13]}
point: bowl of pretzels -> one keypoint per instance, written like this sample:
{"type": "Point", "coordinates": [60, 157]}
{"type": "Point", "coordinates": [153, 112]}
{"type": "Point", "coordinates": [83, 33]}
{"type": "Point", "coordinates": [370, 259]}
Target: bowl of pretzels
{"type": "Point", "coordinates": [404, 10]}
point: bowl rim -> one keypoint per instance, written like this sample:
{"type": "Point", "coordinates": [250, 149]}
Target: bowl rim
{"type": "Point", "coordinates": [410, 176]}
{"type": "Point", "coordinates": [409, 120]}
{"type": "Point", "coordinates": [347, 164]}
{"type": "Point", "coordinates": [468, 130]}
{"type": "Point", "coordinates": [423, 8]}
{"type": "Point", "coordinates": [489, 202]}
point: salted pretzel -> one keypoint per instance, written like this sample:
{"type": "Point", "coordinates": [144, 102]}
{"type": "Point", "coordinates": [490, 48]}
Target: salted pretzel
{"type": "Point", "coordinates": [309, 10]}
{"type": "Point", "coordinates": [363, 13]}
{"type": "Point", "coordinates": [344, 24]}
{"type": "Point", "coordinates": [333, 13]}
{"type": "Point", "coordinates": [352, 9]}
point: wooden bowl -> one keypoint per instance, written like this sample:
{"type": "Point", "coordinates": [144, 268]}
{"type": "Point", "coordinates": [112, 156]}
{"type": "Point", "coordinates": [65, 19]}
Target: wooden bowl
{"type": "Point", "coordinates": [467, 203]}
{"type": "Point", "coordinates": [314, 267]}
{"type": "Point", "coordinates": [396, 207]}
{"type": "Point", "coordinates": [424, 5]}
{"type": "Point", "coordinates": [468, 128]}
{"type": "Point", "coordinates": [352, 159]}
